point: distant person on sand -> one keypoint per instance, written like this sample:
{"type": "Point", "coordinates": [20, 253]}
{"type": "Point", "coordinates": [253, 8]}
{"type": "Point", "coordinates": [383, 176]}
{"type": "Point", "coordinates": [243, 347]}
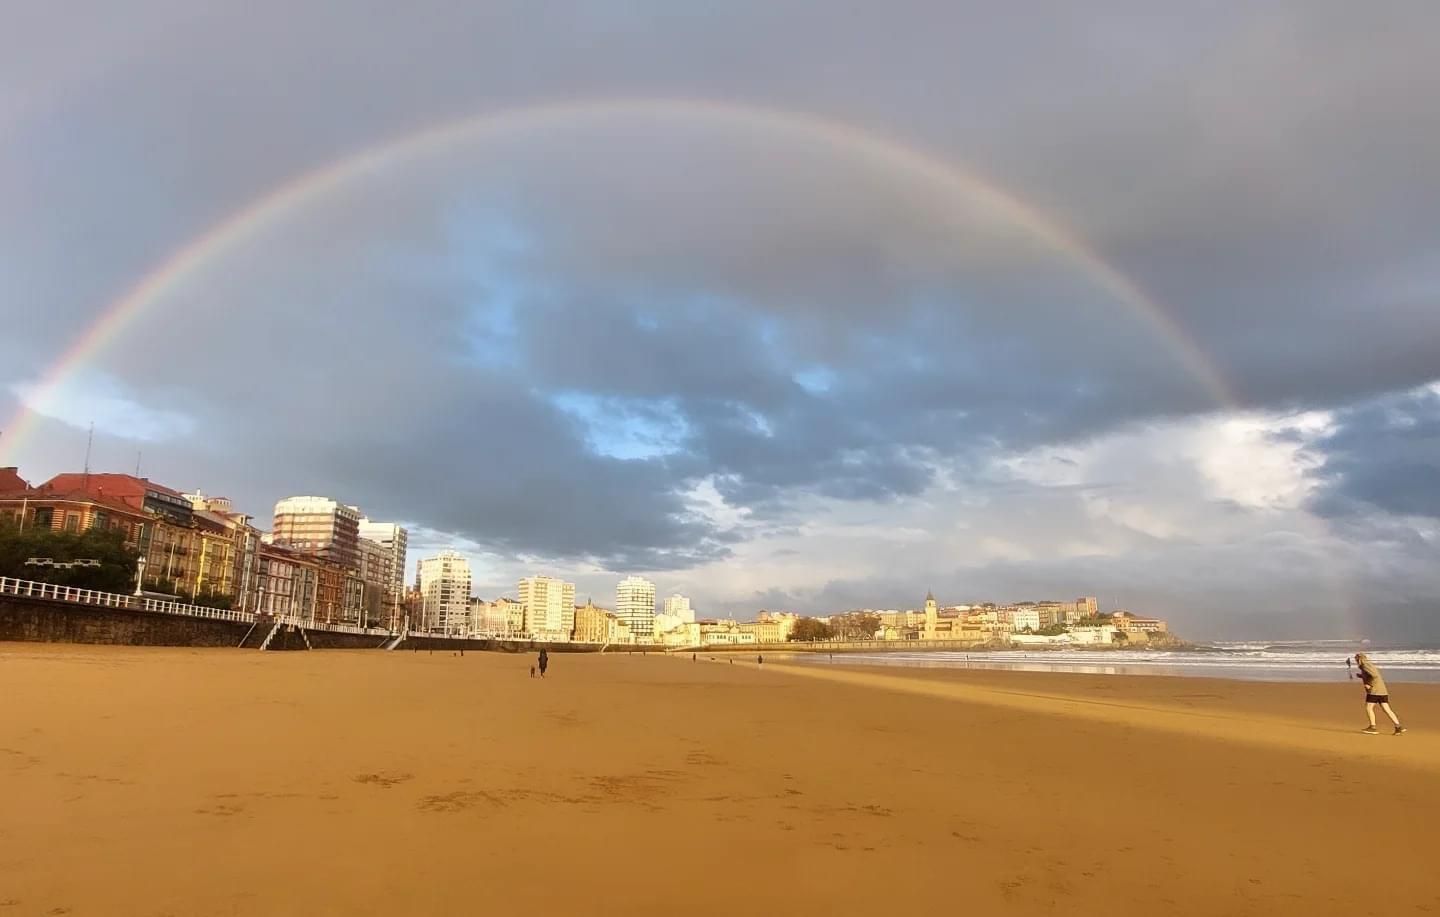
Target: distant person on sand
{"type": "Point", "coordinates": [1375, 693]}
{"type": "Point", "coordinates": [544, 661]}
{"type": "Point", "coordinates": [759, 660]}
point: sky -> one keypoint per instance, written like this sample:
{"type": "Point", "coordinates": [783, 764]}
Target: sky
{"type": "Point", "coordinates": [804, 306]}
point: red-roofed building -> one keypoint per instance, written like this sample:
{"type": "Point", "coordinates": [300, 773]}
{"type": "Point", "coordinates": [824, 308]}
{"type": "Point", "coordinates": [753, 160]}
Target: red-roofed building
{"type": "Point", "coordinates": [72, 511]}
{"type": "Point", "coordinates": [11, 482]}
{"type": "Point", "coordinates": [140, 493]}
{"type": "Point", "coordinates": [159, 521]}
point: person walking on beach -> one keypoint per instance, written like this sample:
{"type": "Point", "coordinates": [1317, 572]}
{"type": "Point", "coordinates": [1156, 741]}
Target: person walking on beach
{"type": "Point", "coordinates": [544, 661]}
{"type": "Point", "coordinates": [1375, 693]}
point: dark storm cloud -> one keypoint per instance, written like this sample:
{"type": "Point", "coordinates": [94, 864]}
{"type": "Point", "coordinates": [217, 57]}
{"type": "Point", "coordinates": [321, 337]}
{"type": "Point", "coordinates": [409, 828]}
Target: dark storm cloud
{"type": "Point", "coordinates": [1384, 454]}
{"type": "Point", "coordinates": [456, 343]}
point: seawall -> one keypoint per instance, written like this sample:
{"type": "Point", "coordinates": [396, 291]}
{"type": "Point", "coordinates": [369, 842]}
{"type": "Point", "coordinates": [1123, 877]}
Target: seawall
{"type": "Point", "coordinates": [41, 620]}
{"type": "Point", "coordinates": [36, 620]}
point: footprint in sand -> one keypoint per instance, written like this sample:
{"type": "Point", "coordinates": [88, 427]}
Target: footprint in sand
{"type": "Point", "coordinates": [222, 809]}
{"type": "Point", "coordinates": [457, 802]}
{"type": "Point", "coordinates": [382, 780]}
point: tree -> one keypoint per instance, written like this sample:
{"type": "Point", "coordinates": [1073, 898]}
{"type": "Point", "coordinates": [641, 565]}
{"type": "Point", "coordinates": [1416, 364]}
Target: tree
{"type": "Point", "coordinates": [810, 629]}
{"type": "Point", "coordinates": [115, 571]}
{"type": "Point", "coordinates": [855, 625]}
{"type": "Point", "coordinates": [1054, 630]}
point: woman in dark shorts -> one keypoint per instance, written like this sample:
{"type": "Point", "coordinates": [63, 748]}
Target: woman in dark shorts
{"type": "Point", "coordinates": [1375, 693]}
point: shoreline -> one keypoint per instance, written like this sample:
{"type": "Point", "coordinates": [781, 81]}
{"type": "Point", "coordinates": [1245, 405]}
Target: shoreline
{"type": "Point", "coordinates": [926, 646]}
{"type": "Point", "coordinates": [1290, 664]}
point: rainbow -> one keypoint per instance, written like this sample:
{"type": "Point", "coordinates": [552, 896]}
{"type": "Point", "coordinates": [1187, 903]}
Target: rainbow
{"type": "Point", "coordinates": [308, 189]}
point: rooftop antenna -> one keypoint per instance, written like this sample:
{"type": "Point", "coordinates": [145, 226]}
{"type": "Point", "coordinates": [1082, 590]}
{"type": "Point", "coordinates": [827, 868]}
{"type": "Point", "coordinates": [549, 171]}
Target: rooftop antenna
{"type": "Point", "coordinates": [89, 444]}
{"type": "Point", "coordinates": [138, 453]}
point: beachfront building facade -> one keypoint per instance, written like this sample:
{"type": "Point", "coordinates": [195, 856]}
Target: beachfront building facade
{"type": "Point", "coordinates": [188, 558]}
{"type": "Point", "coordinates": [394, 538]}
{"type": "Point", "coordinates": [445, 594]}
{"type": "Point", "coordinates": [321, 526]}
{"type": "Point", "coordinates": [593, 624]}
{"type": "Point", "coordinates": [672, 630]}
{"type": "Point", "coordinates": [75, 511]}
{"type": "Point", "coordinates": [340, 594]}
{"type": "Point", "coordinates": [724, 633]}
{"type": "Point", "coordinates": [1100, 635]}
{"type": "Point", "coordinates": [678, 606]}
{"type": "Point", "coordinates": [504, 618]}
{"type": "Point", "coordinates": [618, 631]}
{"type": "Point", "coordinates": [766, 631]}
{"type": "Point", "coordinates": [374, 575]}
{"type": "Point", "coordinates": [549, 607]}
{"type": "Point", "coordinates": [1127, 623]}
{"type": "Point", "coordinates": [218, 517]}
{"type": "Point", "coordinates": [512, 613]}
{"type": "Point", "coordinates": [1025, 619]}
{"type": "Point", "coordinates": [635, 605]}
{"type": "Point", "coordinates": [287, 582]}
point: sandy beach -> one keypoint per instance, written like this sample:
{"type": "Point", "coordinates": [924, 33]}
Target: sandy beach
{"type": "Point", "coordinates": [198, 782]}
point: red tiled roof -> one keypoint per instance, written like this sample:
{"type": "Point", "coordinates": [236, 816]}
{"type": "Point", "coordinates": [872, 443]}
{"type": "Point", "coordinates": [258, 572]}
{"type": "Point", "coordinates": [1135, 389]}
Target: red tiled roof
{"type": "Point", "coordinates": [11, 482]}
{"type": "Point", "coordinates": [36, 496]}
{"type": "Point", "coordinates": [124, 486]}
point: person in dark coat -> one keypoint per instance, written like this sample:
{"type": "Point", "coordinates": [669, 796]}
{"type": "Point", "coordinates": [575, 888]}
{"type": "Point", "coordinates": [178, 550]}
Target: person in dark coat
{"type": "Point", "coordinates": [544, 661]}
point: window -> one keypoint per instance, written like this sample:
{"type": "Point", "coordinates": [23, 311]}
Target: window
{"type": "Point", "coordinates": [72, 522]}
{"type": "Point", "coordinates": [44, 517]}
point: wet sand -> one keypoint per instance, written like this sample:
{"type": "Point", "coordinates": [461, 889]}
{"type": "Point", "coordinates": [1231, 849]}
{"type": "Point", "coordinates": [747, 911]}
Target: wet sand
{"type": "Point", "coordinates": [198, 782]}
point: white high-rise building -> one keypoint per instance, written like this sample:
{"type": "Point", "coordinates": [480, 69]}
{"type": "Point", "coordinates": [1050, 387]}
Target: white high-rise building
{"type": "Point", "coordinates": [635, 606]}
{"type": "Point", "coordinates": [678, 606]}
{"type": "Point", "coordinates": [549, 605]}
{"type": "Point", "coordinates": [445, 588]}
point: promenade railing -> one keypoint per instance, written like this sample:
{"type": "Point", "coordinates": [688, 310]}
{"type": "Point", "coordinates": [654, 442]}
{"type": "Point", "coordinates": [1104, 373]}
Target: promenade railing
{"type": "Point", "coordinates": [55, 592]}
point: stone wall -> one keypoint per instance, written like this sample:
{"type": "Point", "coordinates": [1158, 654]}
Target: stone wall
{"type": "Point", "coordinates": [422, 643]}
{"type": "Point", "coordinates": [50, 621]}
{"type": "Point", "coordinates": [328, 640]}
{"type": "Point", "coordinates": [34, 620]}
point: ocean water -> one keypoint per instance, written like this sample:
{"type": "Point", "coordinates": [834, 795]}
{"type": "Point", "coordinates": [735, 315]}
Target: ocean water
{"type": "Point", "coordinates": [1285, 660]}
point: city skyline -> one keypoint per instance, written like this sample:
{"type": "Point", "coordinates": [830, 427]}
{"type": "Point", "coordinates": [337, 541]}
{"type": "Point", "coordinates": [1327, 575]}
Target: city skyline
{"type": "Point", "coordinates": [1140, 304]}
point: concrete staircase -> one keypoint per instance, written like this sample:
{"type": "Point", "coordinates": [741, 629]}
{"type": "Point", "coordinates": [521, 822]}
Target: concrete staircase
{"type": "Point", "coordinates": [286, 636]}
{"type": "Point", "coordinates": [395, 641]}
{"type": "Point", "coordinates": [270, 637]}
{"type": "Point", "coordinates": [257, 634]}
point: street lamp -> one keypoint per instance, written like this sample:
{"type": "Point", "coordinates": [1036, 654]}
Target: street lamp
{"type": "Point", "coordinates": [139, 574]}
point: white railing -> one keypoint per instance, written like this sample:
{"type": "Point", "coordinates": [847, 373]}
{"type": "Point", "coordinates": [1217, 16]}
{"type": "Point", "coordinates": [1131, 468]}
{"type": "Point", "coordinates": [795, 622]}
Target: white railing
{"type": "Point", "coordinates": [308, 624]}
{"type": "Point", "coordinates": [11, 586]}
{"type": "Point", "coordinates": [196, 611]}
{"type": "Point", "coordinates": [54, 592]}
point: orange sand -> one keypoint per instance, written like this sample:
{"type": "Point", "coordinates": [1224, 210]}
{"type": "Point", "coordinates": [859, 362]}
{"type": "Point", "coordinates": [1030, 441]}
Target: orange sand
{"type": "Point", "coordinates": [228, 782]}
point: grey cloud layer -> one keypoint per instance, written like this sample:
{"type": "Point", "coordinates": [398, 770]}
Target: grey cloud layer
{"type": "Point", "coordinates": [1267, 173]}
